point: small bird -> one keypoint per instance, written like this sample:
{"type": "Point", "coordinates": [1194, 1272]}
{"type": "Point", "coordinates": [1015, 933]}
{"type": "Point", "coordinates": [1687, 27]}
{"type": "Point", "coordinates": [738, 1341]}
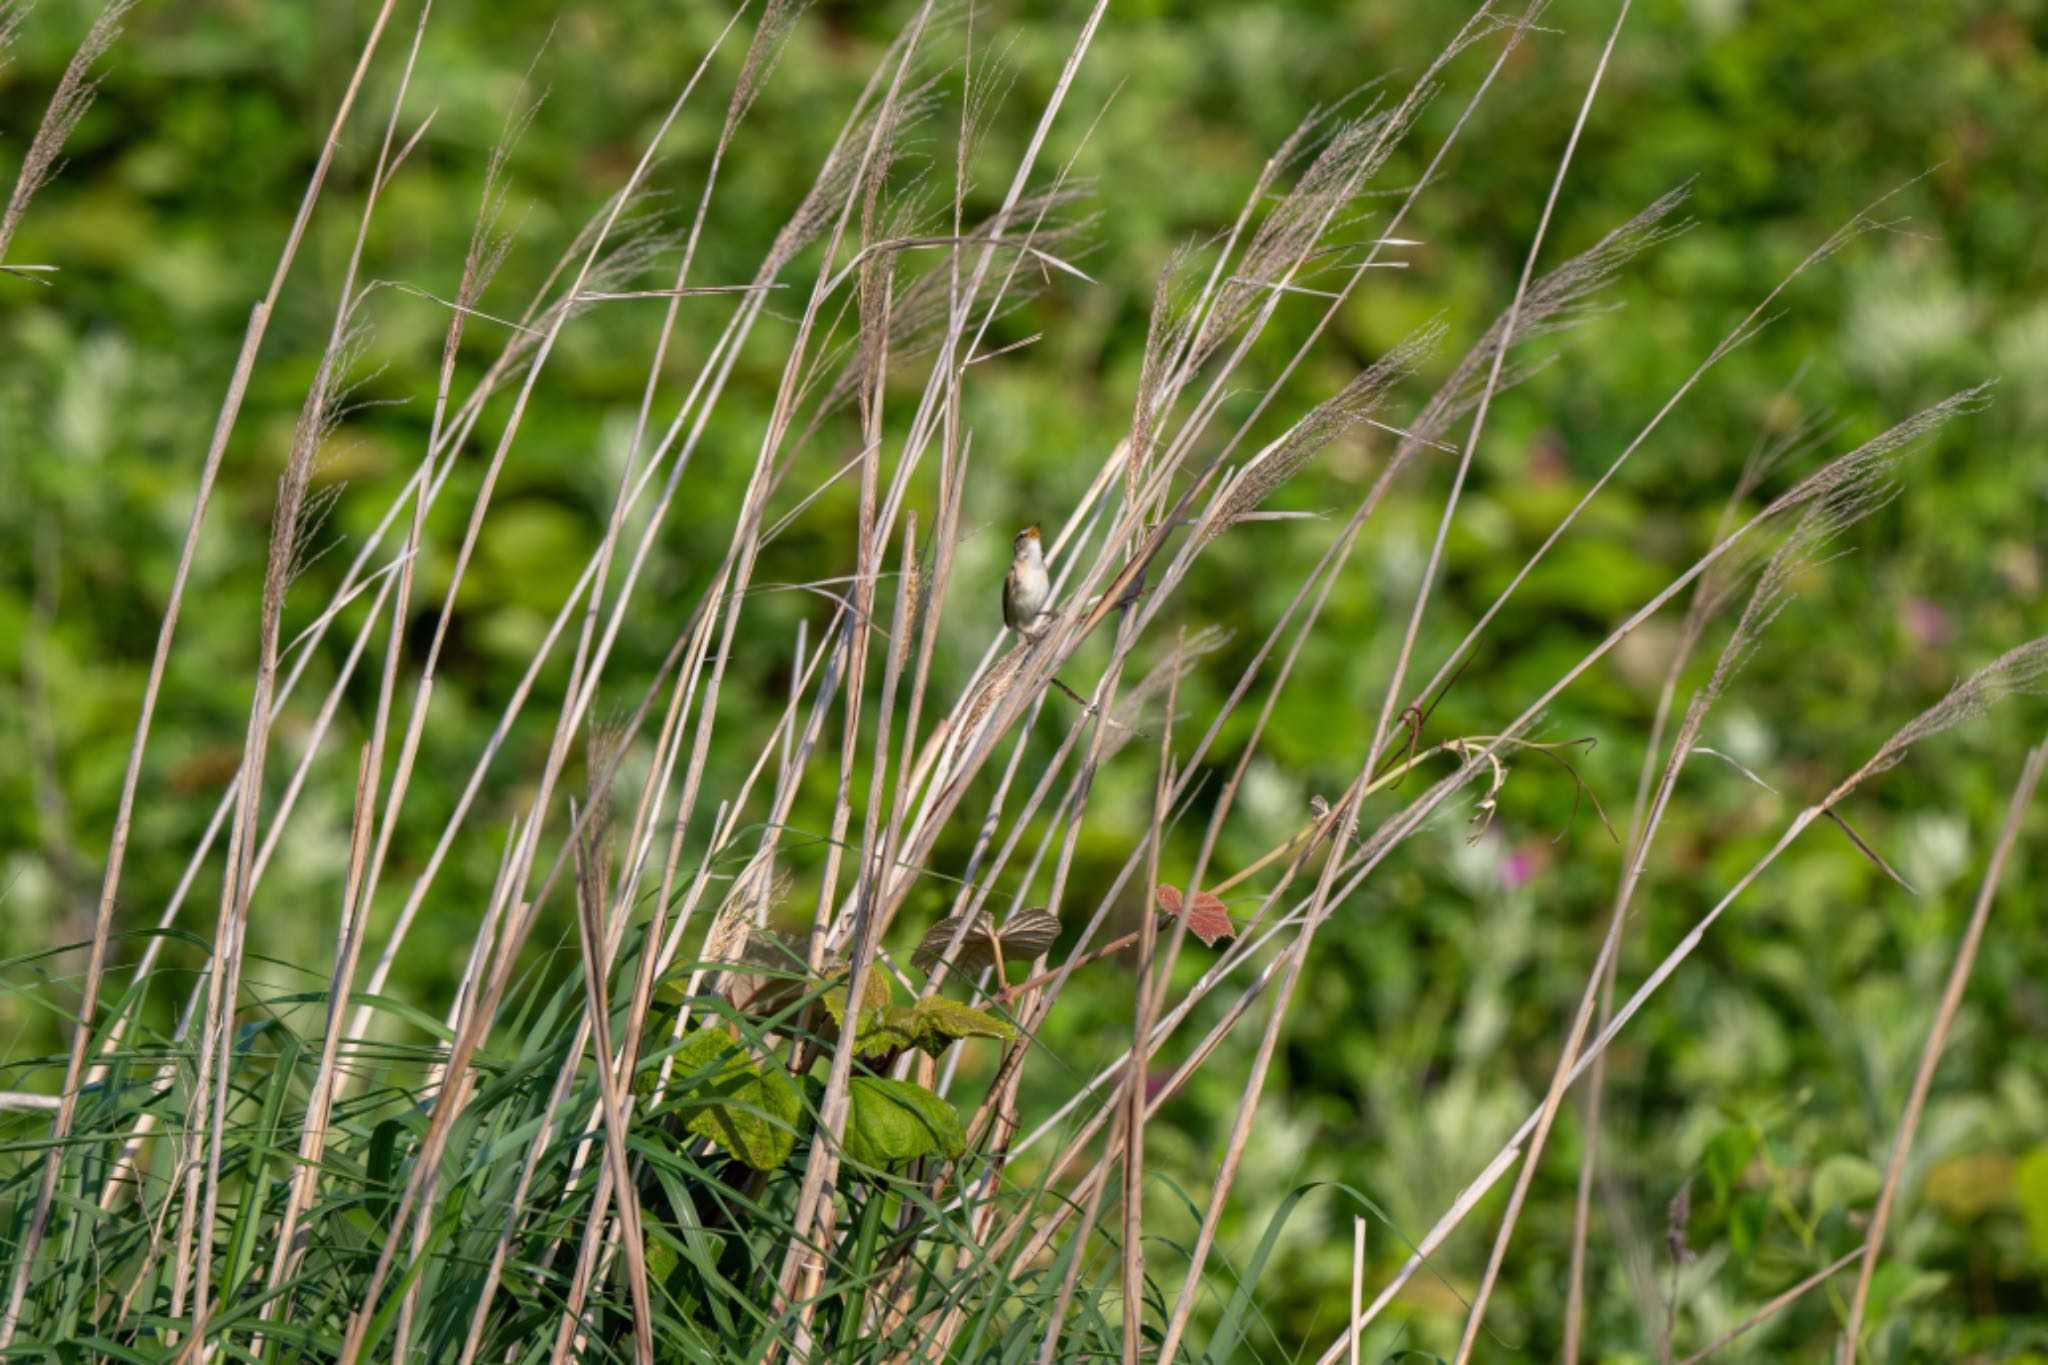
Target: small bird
{"type": "Point", "coordinates": [1027, 587]}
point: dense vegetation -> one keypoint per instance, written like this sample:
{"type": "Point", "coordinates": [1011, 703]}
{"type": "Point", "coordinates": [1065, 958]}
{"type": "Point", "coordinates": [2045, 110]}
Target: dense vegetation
{"type": "Point", "coordinates": [1288, 491]}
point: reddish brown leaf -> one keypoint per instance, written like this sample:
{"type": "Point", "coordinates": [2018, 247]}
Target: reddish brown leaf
{"type": "Point", "coordinates": [1207, 921]}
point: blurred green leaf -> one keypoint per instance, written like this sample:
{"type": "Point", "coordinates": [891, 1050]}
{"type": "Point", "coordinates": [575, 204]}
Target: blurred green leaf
{"type": "Point", "coordinates": [1727, 1160]}
{"type": "Point", "coordinates": [1843, 1182]}
{"type": "Point", "coordinates": [2030, 1183]}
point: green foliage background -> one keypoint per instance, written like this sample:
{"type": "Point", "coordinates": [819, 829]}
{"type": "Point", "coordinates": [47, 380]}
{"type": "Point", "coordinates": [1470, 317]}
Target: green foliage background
{"type": "Point", "coordinates": [1770, 1073]}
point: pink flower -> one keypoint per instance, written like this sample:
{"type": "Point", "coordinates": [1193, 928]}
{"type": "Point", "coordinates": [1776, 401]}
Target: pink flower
{"type": "Point", "coordinates": [1520, 867]}
{"type": "Point", "coordinates": [1927, 624]}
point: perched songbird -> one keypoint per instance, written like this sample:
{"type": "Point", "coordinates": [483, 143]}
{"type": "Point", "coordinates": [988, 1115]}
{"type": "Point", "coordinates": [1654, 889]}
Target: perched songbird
{"type": "Point", "coordinates": [1027, 588]}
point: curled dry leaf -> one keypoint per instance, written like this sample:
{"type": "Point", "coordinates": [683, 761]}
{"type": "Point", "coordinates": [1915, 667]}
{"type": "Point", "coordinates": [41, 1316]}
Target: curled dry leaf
{"type": "Point", "coordinates": [1207, 919]}
{"type": "Point", "coordinates": [767, 974]}
{"type": "Point", "coordinates": [1025, 935]}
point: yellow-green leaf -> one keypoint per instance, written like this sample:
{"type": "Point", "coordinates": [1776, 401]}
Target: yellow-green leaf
{"type": "Point", "coordinates": [876, 996]}
{"type": "Point", "coordinates": [938, 1022]}
{"type": "Point", "coordinates": [891, 1030]}
{"type": "Point", "coordinates": [2030, 1183]}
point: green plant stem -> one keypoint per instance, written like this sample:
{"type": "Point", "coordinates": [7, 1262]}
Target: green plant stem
{"type": "Point", "coordinates": [863, 1257]}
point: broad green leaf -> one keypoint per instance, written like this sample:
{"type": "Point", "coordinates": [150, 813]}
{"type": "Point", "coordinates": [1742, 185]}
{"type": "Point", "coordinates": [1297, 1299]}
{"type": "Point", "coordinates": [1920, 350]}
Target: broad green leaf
{"type": "Point", "coordinates": [707, 1053]}
{"type": "Point", "coordinates": [749, 1111]}
{"type": "Point", "coordinates": [888, 1122]}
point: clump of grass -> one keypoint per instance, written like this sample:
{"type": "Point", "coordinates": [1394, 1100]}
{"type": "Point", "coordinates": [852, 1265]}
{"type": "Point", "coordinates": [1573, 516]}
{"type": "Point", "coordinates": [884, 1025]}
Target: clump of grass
{"type": "Point", "coordinates": [740, 1126]}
